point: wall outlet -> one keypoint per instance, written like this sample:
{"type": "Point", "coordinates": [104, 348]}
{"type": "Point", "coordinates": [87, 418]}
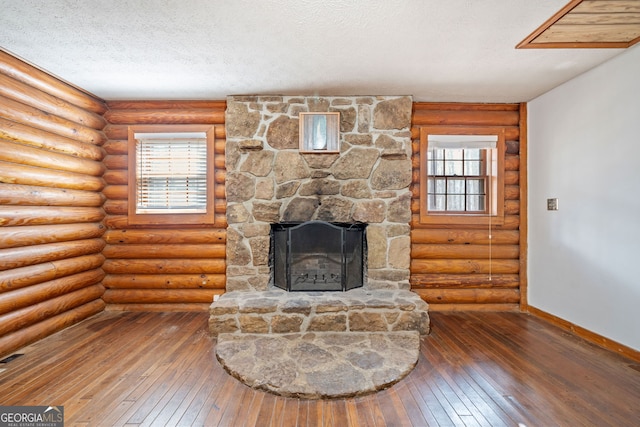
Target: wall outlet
{"type": "Point", "coordinates": [552, 204]}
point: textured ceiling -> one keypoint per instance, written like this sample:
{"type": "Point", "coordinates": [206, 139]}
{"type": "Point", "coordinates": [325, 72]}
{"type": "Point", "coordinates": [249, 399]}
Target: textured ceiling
{"type": "Point", "coordinates": [454, 50]}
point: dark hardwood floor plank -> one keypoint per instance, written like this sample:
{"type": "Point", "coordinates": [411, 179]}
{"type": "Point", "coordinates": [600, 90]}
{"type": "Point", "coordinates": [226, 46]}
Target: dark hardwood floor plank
{"type": "Point", "coordinates": [488, 370]}
{"type": "Point", "coordinates": [230, 413]}
{"type": "Point", "coordinates": [251, 409]}
{"type": "Point", "coordinates": [364, 414]}
{"type": "Point", "coordinates": [115, 377]}
{"type": "Point", "coordinates": [425, 411]}
{"type": "Point", "coordinates": [535, 372]}
{"type": "Point", "coordinates": [564, 357]}
{"type": "Point", "coordinates": [154, 383]}
{"type": "Point", "coordinates": [265, 415]}
{"type": "Point", "coordinates": [197, 400]}
{"type": "Point", "coordinates": [172, 406]}
{"type": "Point", "coordinates": [410, 405]}
{"type": "Point", "coordinates": [290, 412]}
{"type": "Point", "coordinates": [475, 369]}
{"type": "Point", "coordinates": [477, 401]}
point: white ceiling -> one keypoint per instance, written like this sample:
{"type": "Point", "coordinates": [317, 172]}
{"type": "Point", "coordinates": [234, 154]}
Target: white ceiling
{"type": "Point", "coordinates": [435, 50]}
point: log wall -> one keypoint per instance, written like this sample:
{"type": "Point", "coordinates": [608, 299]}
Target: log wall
{"type": "Point", "coordinates": [166, 268]}
{"type": "Point", "coordinates": [50, 204]}
{"type": "Point", "coordinates": [459, 267]}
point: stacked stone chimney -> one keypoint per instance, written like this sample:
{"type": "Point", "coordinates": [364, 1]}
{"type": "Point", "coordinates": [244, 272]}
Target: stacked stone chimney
{"type": "Point", "coordinates": [270, 181]}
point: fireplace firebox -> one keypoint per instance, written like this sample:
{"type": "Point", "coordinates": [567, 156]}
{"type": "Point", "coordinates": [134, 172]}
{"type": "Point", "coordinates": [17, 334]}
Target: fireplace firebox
{"type": "Point", "coordinates": [318, 255]}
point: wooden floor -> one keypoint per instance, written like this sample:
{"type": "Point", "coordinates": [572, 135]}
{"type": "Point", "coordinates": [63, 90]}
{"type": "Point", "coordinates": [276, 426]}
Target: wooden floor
{"type": "Point", "coordinates": [475, 369]}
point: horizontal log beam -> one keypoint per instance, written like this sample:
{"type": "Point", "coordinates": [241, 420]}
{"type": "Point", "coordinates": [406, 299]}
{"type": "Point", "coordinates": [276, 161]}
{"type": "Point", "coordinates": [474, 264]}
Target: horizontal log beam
{"type": "Point", "coordinates": [23, 297]}
{"type": "Point", "coordinates": [164, 251]}
{"type": "Point", "coordinates": [34, 274]}
{"type": "Point", "coordinates": [28, 316]}
{"type": "Point", "coordinates": [117, 146]}
{"type": "Point", "coordinates": [464, 118]}
{"type": "Point", "coordinates": [511, 162]}
{"type": "Point", "coordinates": [512, 178]}
{"type": "Point", "coordinates": [11, 237]}
{"type": "Point", "coordinates": [26, 94]}
{"type": "Point", "coordinates": [116, 177]}
{"type": "Point", "coordinates": [157, 236]}
{"type": "Point", "coordinates": [18, 112]}
{"type": "Point", "coordinates": [512, 207]}
{"type": "Point", "coordinates": [116, 207]}
{"type": "Point", "coordinates": [165, 308]}
{"type": "Point", "coordinates": [25, 336]}
{"type": "Point", "coordinates": [13, 173]}
{"type": "Point", "coordinates": [465, 266]}
{"type": "Point", "coordinates": [163, 266]}
{"type": "Point", "coordinates": [122, 222]}
{"type": "Point", "coordinates": [31, 156]}
{"type": "Point", "coordinates": [155, 116]}
{"type": "Point", "coordinates": [118, 161]}
{"type": "Point", "coordinates": [31, 195]}
{"type": "Point", "coordinates": [470, 296]}
{"type": "Point", "coordinates": [465, 106]}
{"type": "Point", "coordinates": [512, 192]}
{"type": "Point", "coordinates": [449, 251]}
{"type": "Point", "coordinates": [511, 222]}
{"type": "Point", "coordinates": [165, 281]}
{"type": "Point", "coordinates": [116, 192]}
{"type": "Point", "coordinates": [37, 254]}
{"type": "Point", "coordinates": [220, 105]}
{"type": "Point", "coordinates": [25, 73]}
{"type": "Point", "coordinates": [156, 296]}
{"type": "Point", "coordinates": [464, 237]}
{"type": "Point", "coordinates": [473, 307]}
{"type": "Point", "coordinates": [27, 135]}
{"type": "Point", "coordinates": [425, 281]}
{"type": "Point", "coordinates": [39, 215]}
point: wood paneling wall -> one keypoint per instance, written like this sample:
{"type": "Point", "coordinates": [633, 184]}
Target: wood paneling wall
{"type": "Point", "coordinates": [166, 268]}
{"type": "Point", "coordinates": [454, 267]}
{"type": "Point", "coordinates": [50, 204]}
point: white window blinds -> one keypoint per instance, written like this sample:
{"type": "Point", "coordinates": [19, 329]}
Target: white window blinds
{"type": "Point", "coordinates": [171, 172]}
{"type": "Point", "coordinates": [463, 141]}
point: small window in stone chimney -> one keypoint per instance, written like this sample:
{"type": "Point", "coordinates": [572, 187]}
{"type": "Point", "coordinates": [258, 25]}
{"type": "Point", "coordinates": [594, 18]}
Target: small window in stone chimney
{"type": "Point", "coordinates": [319, 132]}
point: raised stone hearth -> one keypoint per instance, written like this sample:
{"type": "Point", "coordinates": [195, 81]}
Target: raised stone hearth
{"type": "Point", "coordinates": [319, 344]}
{"type": "Point", "coordinates": [318, 365]}
{"type": "Point", "coordinates": [358, 310]}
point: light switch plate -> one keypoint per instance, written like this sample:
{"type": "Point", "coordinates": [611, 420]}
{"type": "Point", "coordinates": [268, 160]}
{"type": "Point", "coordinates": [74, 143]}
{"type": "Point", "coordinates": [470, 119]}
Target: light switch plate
{"type": "Point", "coordinates": [552, 204]}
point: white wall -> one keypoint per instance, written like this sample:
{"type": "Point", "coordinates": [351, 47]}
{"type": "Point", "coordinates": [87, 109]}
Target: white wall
{"type": "Point", "coordinates": [584, 149]}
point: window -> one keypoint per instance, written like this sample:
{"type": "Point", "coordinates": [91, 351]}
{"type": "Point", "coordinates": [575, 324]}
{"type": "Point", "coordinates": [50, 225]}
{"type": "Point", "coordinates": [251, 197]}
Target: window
{"type": "Point", "coordinates": [171, 174]}
{"type": "Point", "coordinates": [461, 175]}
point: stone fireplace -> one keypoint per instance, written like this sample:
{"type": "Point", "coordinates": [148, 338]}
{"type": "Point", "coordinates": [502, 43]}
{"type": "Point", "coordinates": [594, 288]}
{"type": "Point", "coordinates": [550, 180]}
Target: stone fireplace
{"type": "Point", "coordinates": [334, 339]}
{"type": "Point", "coordinates": [269, 181]}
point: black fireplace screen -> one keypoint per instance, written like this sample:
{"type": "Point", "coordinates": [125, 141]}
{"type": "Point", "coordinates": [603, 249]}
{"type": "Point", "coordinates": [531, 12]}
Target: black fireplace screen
{"type": "Point", "coordinates": [318, 256]}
